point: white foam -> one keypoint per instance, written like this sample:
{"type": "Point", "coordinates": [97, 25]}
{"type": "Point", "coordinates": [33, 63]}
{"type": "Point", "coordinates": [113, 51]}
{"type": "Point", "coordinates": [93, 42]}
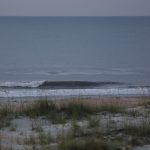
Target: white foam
{"type": "Point", "coordinates": [32, 84]}
{"type": "Point", "coordinates": [18, 93]}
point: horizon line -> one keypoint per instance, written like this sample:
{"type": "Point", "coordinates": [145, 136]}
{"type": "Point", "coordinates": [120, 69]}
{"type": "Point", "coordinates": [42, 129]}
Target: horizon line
{"type": "Point", "coordinates": [73, 16]}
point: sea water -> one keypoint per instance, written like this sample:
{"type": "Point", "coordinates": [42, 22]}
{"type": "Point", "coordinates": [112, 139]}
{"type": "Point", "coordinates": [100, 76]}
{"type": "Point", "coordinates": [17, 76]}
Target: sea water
{"type": "Point", "coordinates": [114, 51]}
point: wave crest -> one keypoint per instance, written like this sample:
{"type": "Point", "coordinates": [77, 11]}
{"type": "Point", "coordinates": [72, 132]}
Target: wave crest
{"type": "Point", "coordinates": [32, 84]}
{"type": "Point", "coordinates": [57, 84]}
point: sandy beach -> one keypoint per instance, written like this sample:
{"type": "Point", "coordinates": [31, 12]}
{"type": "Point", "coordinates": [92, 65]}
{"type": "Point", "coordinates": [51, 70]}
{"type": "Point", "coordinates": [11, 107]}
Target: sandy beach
{"type": "Point", "coordinates": [114, 122]}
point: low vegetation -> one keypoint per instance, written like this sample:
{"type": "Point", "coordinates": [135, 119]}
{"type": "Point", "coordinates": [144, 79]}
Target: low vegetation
{"type": "Point", "coordinates": [143, 129]}
{"type": "Point", "coordinates": [89, 144]}
{"type": "Point", "coordinates": [81, 125]}
{"type": "Point", "coordinates": [57, 113]}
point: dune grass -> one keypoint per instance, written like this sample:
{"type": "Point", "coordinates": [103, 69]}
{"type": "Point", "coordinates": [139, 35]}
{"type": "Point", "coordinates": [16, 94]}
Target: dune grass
{"type": "Point", "coordinates": [6, 115]}
{"type": "Point", "coordinates": [93, 122]}
{"type": "Point", "coordinates": [55, 112]}
{"type": "Point", "coordinates": [89, 144]}
{"type": "Point", "coordinates": [142, 129]}
{"type": "Point", "coordinates": [89, 136]}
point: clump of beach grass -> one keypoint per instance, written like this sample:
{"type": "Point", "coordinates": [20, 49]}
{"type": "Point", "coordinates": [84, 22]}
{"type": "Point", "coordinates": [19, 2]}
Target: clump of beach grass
{"type": "Point", "coordinates": [112, 108]}
{"type": "Point", "coordinates": [30, 140]}
{"type": "Point", "coordinates": [146, 103]}
{"type": "Point", "coordinates": [93, 122]}
{"type": "Point", "coordinates": [142, 129]}
{"type": "Point", "coordinates": [58, 112]}
{"type": "Point", "coordinates": [36, 126]}
{"type": "Point", "coordinates": [46, 109]}
{"type": "Point", "coordinates": [41, 139]}
{"type": "Point", "coordinates": [77, 109]}
{"type": "Point", "coordinates": [39, 108]}
{"type": "Point", "coordinates": [45, 138]}
{"type": "Point", "coordinates": [82, 109]}
{"type": "Point", "coordinates": [89, 144]}
{"type": "Point", "coordinates": [13, 127]}
{"type": "Point", "coordinates": [133, 113]}
{"type": "Point", "coordinates": [6, 115]}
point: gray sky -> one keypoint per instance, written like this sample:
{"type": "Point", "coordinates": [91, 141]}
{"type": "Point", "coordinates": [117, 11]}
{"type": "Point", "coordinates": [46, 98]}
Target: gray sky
{"type": "Point", "coordinates": [74, 7]}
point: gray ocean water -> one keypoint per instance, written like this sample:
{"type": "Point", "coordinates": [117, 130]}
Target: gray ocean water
{"type": "Point", "coordinates": [96, 49]}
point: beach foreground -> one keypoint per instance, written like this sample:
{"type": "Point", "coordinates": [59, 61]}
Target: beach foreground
{"type": "Point", "coordinates": [76, 124]}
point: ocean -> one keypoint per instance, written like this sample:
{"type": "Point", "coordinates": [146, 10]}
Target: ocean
{"type": "Point", "coordinates": [74, 56]}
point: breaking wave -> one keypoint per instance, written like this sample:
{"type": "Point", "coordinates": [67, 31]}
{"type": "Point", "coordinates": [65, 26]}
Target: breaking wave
{"type": "Point", "coordinates": [32, 84]}
{"type": "Point", "coordinates": [57, 84]}
{"type": "Point", "coordinates": [69, 88]}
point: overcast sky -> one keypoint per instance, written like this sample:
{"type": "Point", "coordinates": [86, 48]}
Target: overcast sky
{"type": "Point", "coordinates": [74, 7]}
